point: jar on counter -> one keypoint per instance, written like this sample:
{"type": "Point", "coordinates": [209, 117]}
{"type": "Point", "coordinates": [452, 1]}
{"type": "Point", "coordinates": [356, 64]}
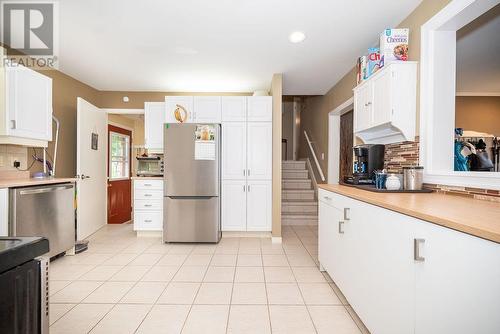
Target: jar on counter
{"type": "Point", "coordinates": [413, 177]}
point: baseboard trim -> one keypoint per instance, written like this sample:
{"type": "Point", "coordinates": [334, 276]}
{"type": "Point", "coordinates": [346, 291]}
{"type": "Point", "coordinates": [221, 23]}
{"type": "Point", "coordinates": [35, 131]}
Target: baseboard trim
{"type": "Point", "coordinates": [245, 234]}
{"type": "Point", "coordinates": [277, 240]}
{"type": "Point", "coordinates": [149, 234]}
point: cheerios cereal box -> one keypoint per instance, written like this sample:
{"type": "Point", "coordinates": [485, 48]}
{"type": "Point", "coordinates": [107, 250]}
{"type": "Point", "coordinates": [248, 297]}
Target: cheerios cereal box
{"type": "Point", "coordinates": [393, 45]}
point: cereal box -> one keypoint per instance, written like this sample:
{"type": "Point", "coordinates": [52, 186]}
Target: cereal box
{"type": "Point", "coordinates": [362, 71]}
{"type": "Point", "coordinates": [393, 46]}
{"type": "Point", "coordinates": [373, 63]}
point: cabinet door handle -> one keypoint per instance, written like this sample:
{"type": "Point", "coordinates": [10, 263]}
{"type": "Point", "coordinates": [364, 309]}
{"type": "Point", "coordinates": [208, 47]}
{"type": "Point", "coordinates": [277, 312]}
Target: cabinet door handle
{"type": "Point", "coordinates": [244, 172]}
{"type": "Point", "coordinates": [347, 212]}
{"type": "Point", "coordinates": [244, 188]}
{"type": "Point", "coordinates": [416, 250]}
{"type": "Point", "coordinates": [341, 230]}
{"type": "Point", "coordinates": [12, 124]}
{"type": "Point", "coordinates": [248, 188]}
{"type": "Point", "coordinates": [327, 198]}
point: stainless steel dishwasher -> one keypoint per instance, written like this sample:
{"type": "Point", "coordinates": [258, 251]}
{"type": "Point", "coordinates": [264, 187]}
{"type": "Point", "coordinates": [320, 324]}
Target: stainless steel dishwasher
{"type": "Point", "coordinates": [44, 211]}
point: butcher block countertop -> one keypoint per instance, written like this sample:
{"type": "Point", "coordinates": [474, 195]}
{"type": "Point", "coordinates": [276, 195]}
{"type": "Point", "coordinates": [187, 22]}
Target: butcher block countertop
{"type": "Point", "coordinates": [476, 217]}
{"type": "Point", "coordinates": [26, 182]}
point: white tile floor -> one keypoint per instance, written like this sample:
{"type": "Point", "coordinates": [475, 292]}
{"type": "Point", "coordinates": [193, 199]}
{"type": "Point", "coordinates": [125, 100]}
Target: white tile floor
{"type": "Point", "coordinates": [124, 284]}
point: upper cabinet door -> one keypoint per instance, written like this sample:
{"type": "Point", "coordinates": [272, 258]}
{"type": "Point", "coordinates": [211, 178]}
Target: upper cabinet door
{"type": "Point", "coordinates": [234, 162]}
{"type": "Point", "coordinates": [154, 118]}
{"type": "Point", "coordinates": [363, 106]}
{"type": "Point", "coordinates": [382, 95]}
{"type": "Point", "coordinates": [234, 108]}
{"type": "Point", "coordinates": [207, 109]}
{"type": "Point", "coordinates": [259, 150]}
{"type": "Point", "coordinates": [259, 206]}
{"type": "Point", "coordinates": [29, 104]}
{"type": "Point", "coordinates": [179, 109]}
{"type": "Point", "coordinates": [260, 108]}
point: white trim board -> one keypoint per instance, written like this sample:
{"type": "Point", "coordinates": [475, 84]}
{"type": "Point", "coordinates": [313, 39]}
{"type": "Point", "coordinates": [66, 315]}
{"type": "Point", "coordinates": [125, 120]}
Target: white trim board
{"type": "Point", "coordinates": [334, 139]}
{"type": "Point", "coordinates": [438, 94]}
{"type": "Point", "coordinates": [477, 94]}
{"type": "Point", "coordinates": [123, 111]}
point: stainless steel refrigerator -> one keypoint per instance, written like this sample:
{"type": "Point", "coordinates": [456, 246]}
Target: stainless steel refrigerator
{"type": "Point", "coordinates": [192, 183]}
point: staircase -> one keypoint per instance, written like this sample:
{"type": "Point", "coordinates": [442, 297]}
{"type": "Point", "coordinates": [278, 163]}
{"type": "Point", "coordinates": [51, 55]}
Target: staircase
{"type": "Point", "coordinates": [299, 205]}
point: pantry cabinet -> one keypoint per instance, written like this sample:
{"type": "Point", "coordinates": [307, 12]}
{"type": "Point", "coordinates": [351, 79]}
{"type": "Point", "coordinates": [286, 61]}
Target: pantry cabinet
{"type": "Point", "coordinates": [385, 105]}
{"type": "Point", "coordinates": [234, 156]}
{"type": "Point", "coordinates": [260, 108]}
{"type": "Point", "coordinates": [154, 118]}
{"type": "Point", "coordinates": [234, 108]}
{"type": "Point", "coordinates": [234, 208]}
{"type": "Point", "coordinates": [259, 205]}
{"type": "Point", "coordinates": [405, 275]}
{"type": "Point", "coordinates": [259, 150]}
{"type": "Point", "coordinates": [27, 112]}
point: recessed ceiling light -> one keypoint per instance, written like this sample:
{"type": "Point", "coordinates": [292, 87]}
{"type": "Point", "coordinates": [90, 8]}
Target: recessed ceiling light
{"type": "Point", "coordinates": [297, 37]}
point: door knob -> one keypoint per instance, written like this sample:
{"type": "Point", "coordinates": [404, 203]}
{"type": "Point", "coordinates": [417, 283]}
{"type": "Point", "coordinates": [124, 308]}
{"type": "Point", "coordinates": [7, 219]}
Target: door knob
{"type": "Point", "coordinates": [82, 177]}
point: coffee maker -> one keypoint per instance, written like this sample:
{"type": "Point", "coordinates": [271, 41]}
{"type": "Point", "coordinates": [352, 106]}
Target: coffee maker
{"type": "Point", "coordinates": [367, 159]}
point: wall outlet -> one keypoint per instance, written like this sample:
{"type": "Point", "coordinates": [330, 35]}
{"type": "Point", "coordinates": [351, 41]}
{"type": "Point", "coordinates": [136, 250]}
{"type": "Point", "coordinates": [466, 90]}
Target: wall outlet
{"type": "Point", "coordinates": [17, 164]}
{"type": "Point", "coordinates": [322, 156]}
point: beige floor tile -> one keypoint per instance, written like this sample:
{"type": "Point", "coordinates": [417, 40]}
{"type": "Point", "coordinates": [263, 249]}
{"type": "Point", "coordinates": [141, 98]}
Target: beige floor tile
{"type": "Point", "coordinates": [227, 250]}
{"type": "Point", "coordinates": [130, 273]}
{"type": "Point", "coordinates": [357, 320]}
{"type": "Point", "coordinates": [190, 274]}
{"type": "Point", "coordinates": [249, 250]}
{"type": "Point", "coordinates": [179, 293]}
{"type": "Point", "coordinates": [224, 260]}
{"type": "Point", "coordinates": [160, 248]}
{"type": "Point", "coordinates": [160, 274]}
{"type": "Point", "coordinates": [164, 319]}
{"type": "Point", "coordinates": [80, 319]}
{"type": "Point", "coordinates": [308, 275]}
{"type": "Point", "coordinates": [100, 273]}
{"type": "Point", "coordinates": [146, 259]}
{"type": "Point", "coordinates": [279, 275]}
{"type": "Point", "coordinates": [56, 311]}
{"type": "Point", "coordinates": [297, 260]}
{"type": "Point", "coordinates": [207, 319]}
{"type": "Point", "coordinates": [249, 274]}
{"type": "Point", "coordinates": [120, 259]}
{"type": "Point", "coordinates": [249, 293]}
{"type": "Point", "coordinates": [109, 292]}
{"type": "Point", "coordinates": [249, 319]}
{"type": "Point", "coordinates": [144, 293]}
{"type": "Point", "coordinates": [181, 249]}
{"type": "Point", "coordinates": [69, 272]}
{"type": "Point", "coordinates": [198, 260]}
{"type": "Point", "coordinates": [332, 319]}
{"type": "Point", "coordinates": [84, 258]}
{"type": "Point", "coordinates": [204, 249]}
{"type": "Point", "coordinates": [122, 319]}
{"type": "Point", "coordinates": [245, 260]}
{"type": "Point", "coordinates": [319, 294]}
{"type": "Point", "coordinates": [339, 294]}
{"type": "Point", "coordinates": [275, 260]}
{"type": "Point", "coordinates": [172, 260]}
{"type": "Point", "coordinates": [56, 286]}
{"type": "Point", "coordinates": [284, 294]}
{"type": "Point", "coordinates": [274, 249]}
{"type": "Point", "coordinates": [75, 292]}
{"type": "Point", "coordinates": [290, 320]}
{"type": "Point", "coordinates": [219, 274]}
{"type": "Point", "coordinates": [214, 293]}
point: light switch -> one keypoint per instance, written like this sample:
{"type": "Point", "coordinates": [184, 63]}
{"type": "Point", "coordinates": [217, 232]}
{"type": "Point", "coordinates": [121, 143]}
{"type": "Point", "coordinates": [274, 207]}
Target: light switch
{"type": "Point", "coordinates": [322, 156]}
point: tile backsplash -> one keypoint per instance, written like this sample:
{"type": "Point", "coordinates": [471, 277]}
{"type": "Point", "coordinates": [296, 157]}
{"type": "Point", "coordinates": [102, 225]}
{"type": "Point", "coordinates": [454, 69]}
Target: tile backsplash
{"type": "Point", "coordinates": [11, 153]}
{"type": "Point", "coordinates": [399, 155]}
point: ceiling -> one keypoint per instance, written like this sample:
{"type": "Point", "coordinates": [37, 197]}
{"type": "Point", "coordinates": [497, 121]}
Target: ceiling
{"type": "Point", "coordinates": [478, 50]}
{"type": "Point", "coordinates": [224, 45]}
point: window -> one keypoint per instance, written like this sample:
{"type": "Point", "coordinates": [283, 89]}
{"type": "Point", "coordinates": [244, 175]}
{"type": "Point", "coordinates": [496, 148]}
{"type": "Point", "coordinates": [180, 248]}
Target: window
{"type": "Point", "coordinates": [119, 157]}
{"type": "Point", "coordinates": [438, 90]}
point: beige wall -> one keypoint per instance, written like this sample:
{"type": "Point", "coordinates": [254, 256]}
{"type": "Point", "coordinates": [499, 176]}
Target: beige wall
{"type": "Point", "coordinates": [287, 128]}
{"type": "Point", "coordinates": [478, 113]}
{"type": "Point", "coordinates": [139, 132]}
{"type": "Point", "coordinates": [119, 120]}
{"type": "Point", "coordinates": [277, 93]}
{"type": "Point", "coordinates": [314, 119]}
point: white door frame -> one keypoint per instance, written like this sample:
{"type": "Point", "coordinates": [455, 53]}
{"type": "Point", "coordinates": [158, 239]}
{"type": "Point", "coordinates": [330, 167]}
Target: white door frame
{"type": "Point", "coordinates": [334, 139]}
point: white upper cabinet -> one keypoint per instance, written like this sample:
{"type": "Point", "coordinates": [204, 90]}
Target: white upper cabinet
{"type": "Point", "coordinates": [234, 157]}
{"type": "Point", "coordinates": [183, 106]}
{"type": "Point", "coordinates": [154, 118]}
{"type": "Point", "coordinates": [234, 108]}
{"type": "Point", "coordinates": [259, 205]}
{"type": "Point", "coordinates": [260, 108]}
{"type": "Point", "coordinates": [28, 108]}
{"type": "Point", "coordinates": [207, 109]}
{"type": "Point", "coordinates": [385, 105]}
{"type": "Point", "coordinates": [259, 150]}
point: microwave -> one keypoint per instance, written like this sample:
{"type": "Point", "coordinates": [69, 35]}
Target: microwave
{"type": "Point", "coordinates": [150, 166]}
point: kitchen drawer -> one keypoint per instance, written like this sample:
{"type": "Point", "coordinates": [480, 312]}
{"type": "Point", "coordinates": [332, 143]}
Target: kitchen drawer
{"type": "Point", "coordinates": [149, 184]}
{"type": "Point", "coordinates": [148, 194]}
{"type": "Point", "coordinates": [148, 220]}
{"type": "Point", "coordinates": [337, 201]}
{"type": "Point", "coordinates": [150, 205]}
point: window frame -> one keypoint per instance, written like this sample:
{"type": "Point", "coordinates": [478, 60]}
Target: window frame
{"type": "Point", "coordinates": [126, 162]}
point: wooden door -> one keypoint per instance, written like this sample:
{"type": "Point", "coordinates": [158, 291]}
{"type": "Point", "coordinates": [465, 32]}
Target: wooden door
{"type": "Point", "coordinates": [119, 172]}
{"type": "Point", "coordinates": [346, 143]}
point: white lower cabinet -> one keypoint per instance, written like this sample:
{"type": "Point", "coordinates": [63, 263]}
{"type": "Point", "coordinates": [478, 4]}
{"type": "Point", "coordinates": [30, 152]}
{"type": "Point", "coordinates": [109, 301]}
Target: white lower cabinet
{"type": "Point", "coordinates": [246, 205]}
{"type": "Point", "coordinates": [447, 283]}
{"type": "Point", "coordinates": [148, 205]}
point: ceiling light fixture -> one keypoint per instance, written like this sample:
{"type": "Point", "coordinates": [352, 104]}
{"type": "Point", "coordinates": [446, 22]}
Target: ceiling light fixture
{"type": "Point", "coordinates": [297, 37]}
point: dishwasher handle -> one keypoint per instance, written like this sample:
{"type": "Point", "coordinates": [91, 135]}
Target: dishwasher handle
{"type": "Point", "coordinates": [45, 189]}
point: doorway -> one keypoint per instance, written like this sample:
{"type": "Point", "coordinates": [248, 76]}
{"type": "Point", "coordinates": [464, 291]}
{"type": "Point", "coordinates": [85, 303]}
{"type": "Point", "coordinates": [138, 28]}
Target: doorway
{"type": "Point", "coordinates": [119, 175]}
{"type": "Point", "coordinates": [346, 144]}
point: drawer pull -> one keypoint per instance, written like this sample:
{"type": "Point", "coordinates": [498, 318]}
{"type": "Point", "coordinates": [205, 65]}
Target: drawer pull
{"type": "Point", "coordinates": [148, 221]}
{"type": "Point", "coordinates": [327, 198]}
{"type": "Point", "coordinates": [147, 205]}
{"type": "Point", "coordinates": [147, 195]}
{"type": "Point", "coordinates": [341, 230]}
{"type": "Point", "coordinates": [147, 184]}
{"type": "Point", "coordinates": [347, 212]}
{"type": "Point", "coordinates": [416, 250]}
